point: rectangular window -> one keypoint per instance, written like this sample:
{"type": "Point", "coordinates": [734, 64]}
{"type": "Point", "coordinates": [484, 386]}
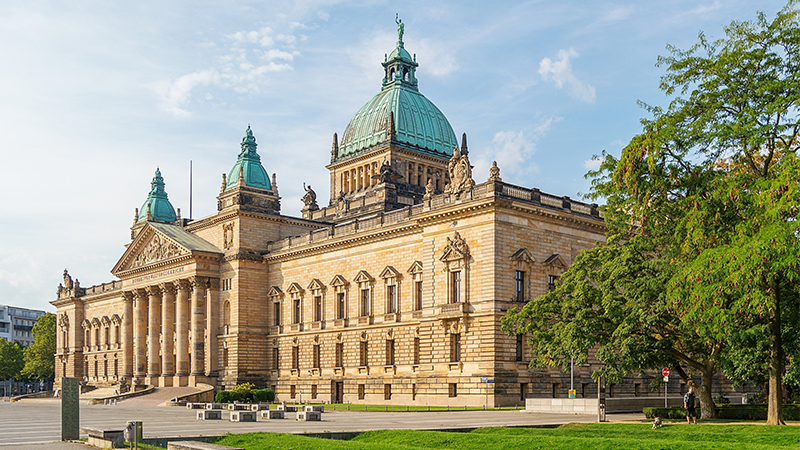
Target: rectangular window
{"type": "Point", "coordinates": [455, 347]}
{"type": "Point", "coordinates": [387, 391]}
{"type": "Point", "coordinates": [414, 391]}
{"type": "Point", "coordinates": [340, 311]}
{"type": "Point", "coordinates": [551, 282]}
{"type": "Point", "coordinates": [418, 295]}
{"type": "Point", "coordinates": [519, 348]}
{"type": "Point", "coordinates": [295, 357]}
{"type": "Point", "coordinates": [391, 299]}
{"type": "Point", "coordinates": [455, 286]}
{"type": "Point", "coordinates": [364, 357]}
{"type": "Point", "coordinates": [389, 352]}
{"type": "Point", "coordinates": [317, 308]}
{"type": "Point", "coordinates": [365, 302]}
{"type": "Point", "coordinates": [585, 390]}
{"type": "Point", "coordinates": [296, 312]}
{"type": "Point", "coordinates": [316, 356]}
{"type": "Point", "coordinates": [523, 389]}
{"type": "Point", "coordinates": [276, 358]}
{"type": "Point", "coordinates": [556, 389]}
{"type": "Point", "coordinates": [416, 350]}
{"type": "Point", "coordinates": [276, 313]}
{"type": "Point", "coordinates": [637, 389]}
{"type": "Point", "coordinates": [519, 283]}
{"type": "Point", "coordinates": [339, 354]}
{"type": "Point", "coordinates": [313, 392]}
{"type": "Point", "coordinates": [361, 391]}
{"type": "Point", "coordinates": [292, 392]}
{"type": "Point", "coordinates": [453, 390]}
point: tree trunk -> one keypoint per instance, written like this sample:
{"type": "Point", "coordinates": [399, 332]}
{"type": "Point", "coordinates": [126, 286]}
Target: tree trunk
{"type": "Point", "coordinates": [775, 398]}
{"type": "Point", "coordinates": [707, 410]}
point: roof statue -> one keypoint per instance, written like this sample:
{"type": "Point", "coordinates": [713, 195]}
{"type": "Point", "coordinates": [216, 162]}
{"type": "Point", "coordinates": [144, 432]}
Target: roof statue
{"type": "Point", "coordinates": [400, 27]}
{"type": "Point", "coordinates": [310, 198]}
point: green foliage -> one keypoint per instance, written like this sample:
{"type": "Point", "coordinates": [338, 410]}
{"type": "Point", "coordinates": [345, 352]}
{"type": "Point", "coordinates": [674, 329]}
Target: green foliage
{"type": "Point", "coordinates": [243, 392]}
{"type": "Point", "coordinates": [673, 412]}
{"type": "Point", "coordinates": [574, 436]}
{"type": "Point", "coordinates": [40, 356]}
{"type": "Point", "coordinates": [222, 397]}
{"type": "Point", "coordinates": [263, 395]}
{"type": "Point", "coordinates": [729, 412]}
{"type": "Point", "coordinates": [11, 360]}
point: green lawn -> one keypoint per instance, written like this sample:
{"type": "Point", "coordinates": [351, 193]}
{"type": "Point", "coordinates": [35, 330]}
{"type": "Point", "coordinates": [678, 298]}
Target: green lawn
{"type": "Point", "coordinates": [575, 436]}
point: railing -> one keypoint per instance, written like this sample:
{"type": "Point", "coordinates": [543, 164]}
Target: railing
{"type": "Point", "coordinates": [381, 219]}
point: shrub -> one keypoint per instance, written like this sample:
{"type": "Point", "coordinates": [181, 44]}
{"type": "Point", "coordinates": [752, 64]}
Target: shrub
{"type": "Point", "coordinates": [222, 397]}
{"type": "Point", "coordinates": [244, 391]}
{"type": "Point", "coordinates": [735, 412]}
{"type": "Point", "coordinates": [263, 395]}
{"type": "Point", "coordinates": [234, 396]}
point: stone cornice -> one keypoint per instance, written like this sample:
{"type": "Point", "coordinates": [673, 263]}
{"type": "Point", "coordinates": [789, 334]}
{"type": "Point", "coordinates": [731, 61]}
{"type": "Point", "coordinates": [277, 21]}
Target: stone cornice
{"type": "Point", "coordinates": [232, 213]}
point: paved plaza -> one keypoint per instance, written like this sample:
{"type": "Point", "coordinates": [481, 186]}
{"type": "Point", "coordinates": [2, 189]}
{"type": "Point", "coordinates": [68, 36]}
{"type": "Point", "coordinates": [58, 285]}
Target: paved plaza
{"type": "Point", "coordinates": [40, 421]}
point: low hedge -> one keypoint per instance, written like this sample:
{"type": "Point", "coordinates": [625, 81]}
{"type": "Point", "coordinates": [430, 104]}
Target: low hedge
{"type": "Point", "coordinates": [735, 412]}
{"type": "Point", "coordinates": [256, 395]}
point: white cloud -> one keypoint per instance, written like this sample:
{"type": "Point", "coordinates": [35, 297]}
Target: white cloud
{"type": "Point", "coordinates": [702, 9]}
{"type": "Point", "coordinates": [250, 57]}
{"type": "Point", "coordinates": [592, 164]}
{"type": "Point", "coordinates": [560, 73]}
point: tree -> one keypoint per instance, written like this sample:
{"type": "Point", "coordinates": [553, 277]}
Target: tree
{"type": "Point", "coordinates": [11, 361]}
{"type": "Point", "coordinates": [708, 195]}
{"type": "Point", "coordinates": [40, 356]}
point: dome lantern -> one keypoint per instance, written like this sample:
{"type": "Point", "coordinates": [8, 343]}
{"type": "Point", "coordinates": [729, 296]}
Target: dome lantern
{"type": "Point", "coordinates": [157, 206]}
{"type": "Point", "coordinates": [248, 166]}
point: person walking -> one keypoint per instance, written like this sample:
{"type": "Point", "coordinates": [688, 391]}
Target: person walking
{"type": "Point", "coordinates": [689, 400]}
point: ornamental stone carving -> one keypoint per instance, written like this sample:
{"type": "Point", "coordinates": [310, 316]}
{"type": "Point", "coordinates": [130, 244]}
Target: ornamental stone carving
{"type": "Point", "coordinates": [227, 236]}
{"type": "Point", "coordinates": [158, 249]}
{"type": "Point", "coordinates": [494, 172]}
{"type": "Point", "coordinates": [456, 248]}
{"type": "Point", "coordinates": [460, 171]}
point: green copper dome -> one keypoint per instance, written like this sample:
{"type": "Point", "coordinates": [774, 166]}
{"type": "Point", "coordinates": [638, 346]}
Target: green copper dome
{"type": "Point", "coordinates": [160, 207]}
{"type": "Point", "coordinates": [417, 121]}
{"type": "Point", "coordinates": [250, 161]}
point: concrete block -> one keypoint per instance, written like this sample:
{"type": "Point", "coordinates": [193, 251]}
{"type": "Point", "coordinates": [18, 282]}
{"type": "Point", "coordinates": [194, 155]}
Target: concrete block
{"type": "Point", "coordinates": [243, 416]}
{"type": "Point", "coordinates": [317, 408]}
{"type": "Point", "coordinates": [209, 414]}
{"type": "Point", "coordinates": [309, 416]}
{"type": "Point", "coordinates": [272, 414]}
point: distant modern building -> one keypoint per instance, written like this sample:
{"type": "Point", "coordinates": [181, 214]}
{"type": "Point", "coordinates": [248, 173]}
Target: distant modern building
{"type": "Point", "coordinates": [16, 324]}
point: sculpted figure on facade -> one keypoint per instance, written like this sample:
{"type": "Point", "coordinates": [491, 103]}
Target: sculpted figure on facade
{"type": "Point", "coordinates": [494, 172]}
{"type": "Point", "coordinates": [310, 198]}
{"type": "Point", "coordinates": [457, 245]}
{"type": "Point", "coordinates": [157, 249]}
{"type": "Point", "coordinates": [429, 190]}
{"type": "Point", "coordinates": [460, 171]}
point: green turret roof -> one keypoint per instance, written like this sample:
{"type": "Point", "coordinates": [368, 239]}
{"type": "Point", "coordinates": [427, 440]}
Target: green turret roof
{"type": "Point", "coordinates": [160, 207]}
{"type": "Point", "coordinates": [417, 121]}
{"type": "Point", "coordinates": [249, 164]}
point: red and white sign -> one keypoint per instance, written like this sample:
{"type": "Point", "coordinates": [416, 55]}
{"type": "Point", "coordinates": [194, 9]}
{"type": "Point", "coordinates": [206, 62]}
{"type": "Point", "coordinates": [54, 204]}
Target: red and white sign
{"type": "Point", "coordinates": [665, 371]}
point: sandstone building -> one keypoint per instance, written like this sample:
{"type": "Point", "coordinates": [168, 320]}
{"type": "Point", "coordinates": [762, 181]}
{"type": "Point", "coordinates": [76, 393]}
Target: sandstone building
{"type": "Point", "coordinates": [392, 291]}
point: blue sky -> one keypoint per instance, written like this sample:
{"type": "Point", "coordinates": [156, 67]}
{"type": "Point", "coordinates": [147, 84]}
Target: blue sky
{"type": "Point", "coordinates": [95, 95]}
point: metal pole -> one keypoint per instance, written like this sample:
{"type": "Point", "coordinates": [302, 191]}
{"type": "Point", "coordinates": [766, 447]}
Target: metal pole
{"type": "Point", "coordinates": [571, 374]}
{"type": "Point", "coordinates": [190, 189]}
{"type": "Point", "coordinates": [599, 387]}
{"type": "Point", "coordinates": [487, 394]}
{"type": "Point", "coordinates": [666, 385]}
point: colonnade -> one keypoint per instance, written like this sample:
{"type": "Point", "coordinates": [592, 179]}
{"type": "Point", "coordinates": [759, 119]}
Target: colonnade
{"type": "Point", "coordinates": [161, 322]}
{"type": "Point", "coordinates": [359, 177]}
{"type": "Point", "coordinates": [418, 175]}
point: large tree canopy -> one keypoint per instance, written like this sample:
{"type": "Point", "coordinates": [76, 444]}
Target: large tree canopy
{"type": "Point", "coordinates": [40, 356]}
{"type": "Point", "coordinates": [11, 360]}
{"type": "Point", "coordinates": [702, 253]}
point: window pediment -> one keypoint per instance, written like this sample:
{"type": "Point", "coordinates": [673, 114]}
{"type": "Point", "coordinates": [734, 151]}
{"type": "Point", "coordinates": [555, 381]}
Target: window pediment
{"type": "Point", "coordinates": [363, 277]}
{"type": "Point", "coordinates": [316, 285]}
{"type": "Point", "coordinates": [556, 260]}
{"type": "Point", "coordinates": [389, 272]}
{"type": "Point", "coordinates": [416, 267]}
{"type": "Point", "coordinates": [295, 288]}
{"type": "Point", "coordinates": [456, 249]}
{"type": "Point", "coordinates": [339, 281]}
{"type": "Point", "coordinates": [275, 291]}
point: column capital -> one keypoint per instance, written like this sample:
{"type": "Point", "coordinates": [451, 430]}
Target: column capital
{"type": "Point", "coordinates": [153, 290]}
{"type": "Point", "coordinates": [182, 284]}
{"type": "Point", "coordinates": [198, 281]}
{"type": "Point", "coordinates": [167, 288]}
{"type": "Point", "coordinates": [127, 296]}
{"type": "Point", "coordinates": [138, 293]}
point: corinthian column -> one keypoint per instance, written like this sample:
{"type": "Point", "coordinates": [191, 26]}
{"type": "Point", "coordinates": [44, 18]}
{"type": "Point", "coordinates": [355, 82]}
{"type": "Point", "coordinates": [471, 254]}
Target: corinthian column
{"type": "Point", "coordinates": [140, 330]}
{"type": "Point", "coordinates": [127, 335]}
{"type": "Point", "coordinates": [167, 330]}
{"type": "Point", "coordinates": [153, 331]}
{"type": "Point", "coordinates": [182, 328]}
{"type": "Point", "coordinates": [198, 325]}
{"type": "Point", "coordinates": [212, 319]}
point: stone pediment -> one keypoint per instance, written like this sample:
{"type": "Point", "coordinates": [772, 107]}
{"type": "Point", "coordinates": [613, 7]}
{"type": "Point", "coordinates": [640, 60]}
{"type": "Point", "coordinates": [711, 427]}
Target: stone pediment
{"type": "Point", "coordinates": [523, 255]}
{"type": "Point", "coordinates": [316, 285]}
{"type": "Point", "coordinates": [338, 281]}
{"type": "Point", "coordinates": [158, 242]}
{"type": "Point", "coordinates": [556, 260]}
{"type": "Point", "coordinates": [295, 288]}
{"type": "Point", "coordinates": [389, 272]}
{"type": "Point", "coordinates": [363, 277]}
{"type": "Point", "coordinates": [456, 249]}
{"type": "Point", "coordinates": [416, 267]}
{"type": "Point", "coordinates": [275, 291]}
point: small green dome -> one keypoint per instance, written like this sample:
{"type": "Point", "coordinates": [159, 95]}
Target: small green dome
{"type": "Point", "coordinates": [250, 161]}
{"type": "Point", "coordinates": [418, 122]}
{"type": "Point", "coordinates": [160, 207]}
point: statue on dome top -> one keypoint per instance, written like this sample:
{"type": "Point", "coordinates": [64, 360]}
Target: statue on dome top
{"type": "Point", "coordinates": [400, 27]}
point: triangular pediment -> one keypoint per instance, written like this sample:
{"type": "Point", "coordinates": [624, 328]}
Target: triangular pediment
{"type": "Point", "coordinates": [158, 242]}
{"type": "Point", "coordinates": [523, 255]}
{"type": "Point", "coordinates": [556, 260]}
{"type": "Point", "coordinates": [295, 288]}
{"type": "Point", "coordinates": [389, 272]}
{"type": "Point", "coordinates": [339, 281]}
{"type": "Point", "coordinates": [316, 285]}
{"type": "Point", "coordinates": [455, 249]}
{"type": "Point", "coordinates": [363, 276]}
{"type": "Point", "coordinates": [275, 291]}
{"type": "Point", "coordinates": [416, 267]}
